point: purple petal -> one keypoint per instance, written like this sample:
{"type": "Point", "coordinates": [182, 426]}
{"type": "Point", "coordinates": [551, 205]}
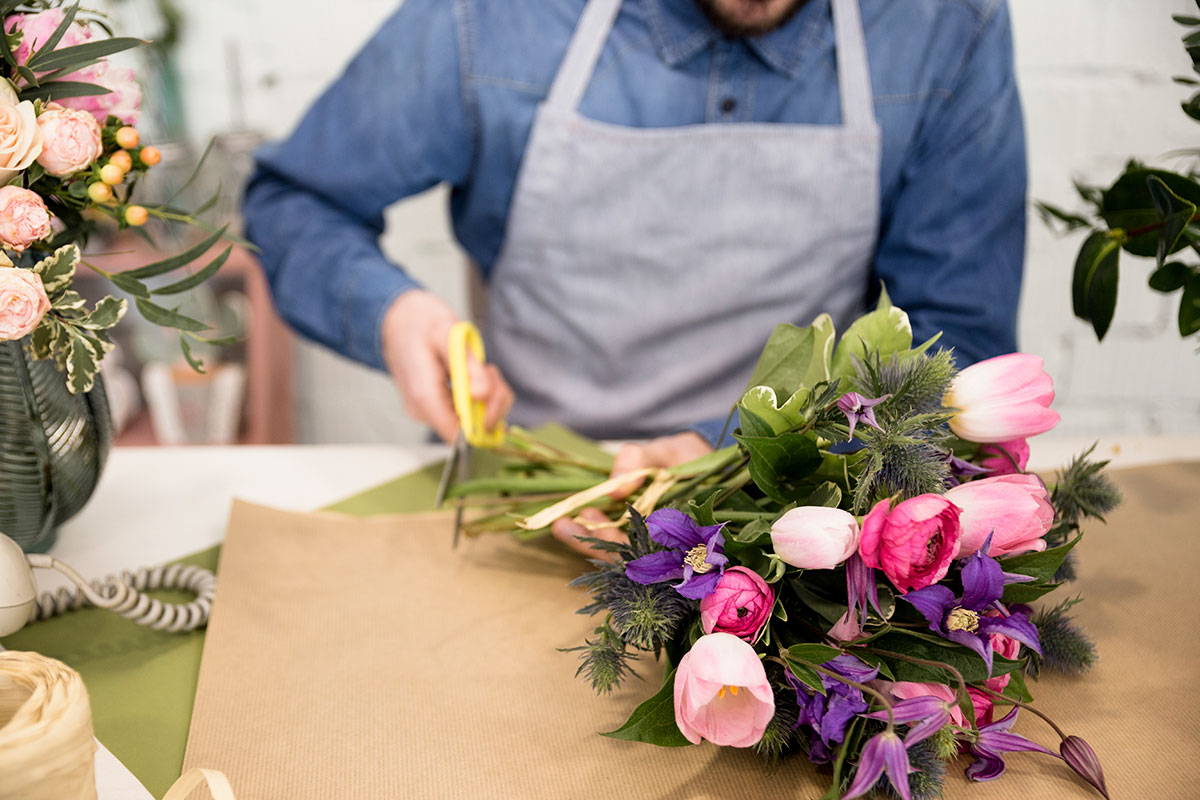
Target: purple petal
{"type": "Point", "coordinates": [1002, 724]}
{"type": "Point", "coordinates": [714, 540]}
{"type": "Point", "coordinates": [1080, 757]}
{"type": "Point", "coordinates": [982, 579]}
{"type": "Point", "coordinates": [987, 765]}
{"type": "Point", "coordinates": [1004, 742]}
{"type": "Point", "coordinates": [665, 565]}
{"type": "Point", "coordinates": [697, 586]}
{"type": "Point", "coordinates": [934, 602]}
{"type": "Point", "coordinates": [838, 715]}
{"type": "Point", "coordinates": [870, 766]}
{"type": "Point", "coordinates": [976, 642]}
{"type": "Point", "coordinates": [895, 759]}
{"type": "Point", "coordinates": [1016, 577]}
{"type": "Point", "coordinates": [912, 709]}
{"type": "Point", "coordinates": [852, 668]}
{"type": "Point", "coordinates": [1015, 626]}
{"type": "Point", "coordinates": [673, 528]}
{"type": "Point", "coordinates": [927, 727]}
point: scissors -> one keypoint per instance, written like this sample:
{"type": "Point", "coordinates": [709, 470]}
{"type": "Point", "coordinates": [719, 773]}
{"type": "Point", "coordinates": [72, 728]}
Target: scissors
{"type": "Point", "coordinates": [464, 340]}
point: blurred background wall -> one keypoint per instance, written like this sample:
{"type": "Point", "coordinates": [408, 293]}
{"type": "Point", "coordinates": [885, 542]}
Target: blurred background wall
{"type": "Point", "coordinates": [1096, 81]}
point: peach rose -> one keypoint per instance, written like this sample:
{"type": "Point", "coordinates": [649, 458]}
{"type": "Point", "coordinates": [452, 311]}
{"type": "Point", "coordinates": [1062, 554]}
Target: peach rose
{"type": "Point", "coordinates": [20, 137]}
{"type": "Point", "coordinates": [23, 218]}
{"type": "Point", "coordinates": [70, 140]}
{"type": "Point", "coordinates": [23, 302]}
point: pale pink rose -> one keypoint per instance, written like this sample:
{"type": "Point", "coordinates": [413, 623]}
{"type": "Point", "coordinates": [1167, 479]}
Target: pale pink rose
{"type": "Point", "coordinates": [741, 604]}
{"type": "Point", "coordinates": [912, 543]}
{"type": "Point", "coordinates": [20, 137]}
{"type": "Point", "coordinates": [70, 140]}
{"type": "Point", "coordinates": [23, 218]}
{"type": "Point", "coordinates": [37, 28]}
{"type": "Point", "coordinates": [1002, 398]}
{"type": "Point", "coordinates": [124, 98]}
{"type": "Point", "coordinates": [23, 302]}
{"type": "Point", "coordinates": [1005, 458]}
{"type": "Point", "coordinates": [722, 693]}
{"type": "Point", "coordinates": [815, 537]}
{"type": "Point", "coordinates": [1014, 510]}
{"type": "Point", "coordinates": [907, 690]}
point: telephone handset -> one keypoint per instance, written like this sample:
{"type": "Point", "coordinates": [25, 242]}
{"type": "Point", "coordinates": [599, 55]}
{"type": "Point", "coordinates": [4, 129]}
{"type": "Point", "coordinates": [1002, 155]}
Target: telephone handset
{"type": "Point", "coordinates": [20, 603]}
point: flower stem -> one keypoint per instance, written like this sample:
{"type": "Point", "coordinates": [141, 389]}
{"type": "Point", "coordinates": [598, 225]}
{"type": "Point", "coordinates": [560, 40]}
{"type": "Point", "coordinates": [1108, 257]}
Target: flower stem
{"type": "Point", "coordinates": [1031, 709]}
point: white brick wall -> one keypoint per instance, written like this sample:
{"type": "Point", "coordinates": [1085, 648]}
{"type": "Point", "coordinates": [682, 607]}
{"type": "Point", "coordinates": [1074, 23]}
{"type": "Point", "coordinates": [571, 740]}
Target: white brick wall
{"type": "Point", "coordinates": [1095, 75]}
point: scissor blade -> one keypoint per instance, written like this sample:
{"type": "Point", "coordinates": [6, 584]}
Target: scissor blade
{"type": "Point", "coordinates": [463, 468]}
{"type": "Point", "coordinates": [449, 471]}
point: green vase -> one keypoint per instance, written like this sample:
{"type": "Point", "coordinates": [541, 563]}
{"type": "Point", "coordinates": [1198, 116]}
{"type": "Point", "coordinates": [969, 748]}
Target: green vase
{"type": "Point", "coordinates": [53, 445]}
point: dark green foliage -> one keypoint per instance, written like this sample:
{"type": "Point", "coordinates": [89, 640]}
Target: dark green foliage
{"type": "Point", "coordinates": [1066, 648]}
{"type": "Point", "coordinates": [605, 660]}
{"type": "Point", "coordinates": [916, 384]}
{"type": "Point", "coordinates": [1083, 491]}
{"type": "Point", "coordinates": [779, 738]}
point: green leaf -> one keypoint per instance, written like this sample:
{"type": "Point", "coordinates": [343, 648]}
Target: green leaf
{"type": "Point", "coordinates": [1177, 214]}
{"type": "Point", "coordinates": [1016, 688]}
{"type": "Point", "coordinates": [177, 261]}
{"type": "Point", "coordinates": [107, 313]}
{"type": "Point", "coordinates": [753, 532]}
{"type": "Point", "coordinates": [1183, 19]}
{"type": "Point", "coordinates": [168, 318]}
{"type": "Point", "coordinates": [1050, 215]}
{"type": "Point", "coordinates": [762, 403]}
{"type": "Point", "coordinates": [197, 278]}
{"type": "Point", "coordinates": [828, 494]}
{"type": "Point", "coordinates": [68, 302]}
{"type": "Point", "coordinates": [1094, 284]}
{"type": "Point", "coordinates": [42, 336]}
{"type": "Point", "coordinates": [76, 56]}
{"type": "Point", "coordinates": [77, 189]}
{"type": "Point", "coordinates": [196, 364]}
{"type": "Point", "coordinates": [965, 661]}
{"type": "Point", "coordinates": [135, 287]}
{"type": "Point", "coordinates": [653, 722]}
{"type": "Point", "coordinates": [777, 462]}
{"type": "Point", "coordinates": [82, 363]}
{"type": "Point", "coordinates": [57, 271]}
{"type": "Point", "coordinates": [806, 675]}
{"type": "Point", "coordinates": [6, 51]}
{"type": "Point", "coordinates": [813, 653]}
{"type": "Point", "coordinates": [1189, 307]}
{"type": "Point", "coordinates": [58, 90]}
{"type": "Point", "coordinates": [1027, 592]}
{"type": "Point", "coordinates": [55, 37]}
{"type": "Point", "coordinates": [794, 357]}
{"type": "Point", "coordinates": [1170, 277]}
{"type": "Point", "coordinates": [1129, 205]}
{"type": "Point", "coordinates": [885, 330]}
{"type": "Point", "coordinates": [1039, 566]}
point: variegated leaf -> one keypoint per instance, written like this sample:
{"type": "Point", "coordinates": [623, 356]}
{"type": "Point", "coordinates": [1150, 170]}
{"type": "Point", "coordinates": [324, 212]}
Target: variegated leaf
{"type": "Point", "coordinates": [81, 366]}
{"type": "Point", "coordinates": [58, 270]}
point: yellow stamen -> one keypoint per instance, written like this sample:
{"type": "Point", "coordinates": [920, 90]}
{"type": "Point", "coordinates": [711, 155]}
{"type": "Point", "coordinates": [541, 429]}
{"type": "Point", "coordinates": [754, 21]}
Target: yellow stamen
{"type": "Point", "coordinates": [696, 558]}
{"type": "Point", "coordinates": [733, 690]}
{"type": "Point", "coordinates": [962, 619]}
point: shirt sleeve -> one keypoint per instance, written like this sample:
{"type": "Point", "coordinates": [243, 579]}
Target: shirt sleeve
{"type": "Point", "coordinates": [952, 239]}
{"type": "Point", "coordinates": [394, 124]}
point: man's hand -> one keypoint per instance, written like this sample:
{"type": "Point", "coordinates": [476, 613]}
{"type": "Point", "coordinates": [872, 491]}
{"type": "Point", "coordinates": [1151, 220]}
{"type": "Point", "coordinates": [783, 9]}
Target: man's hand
{"type": "Point", "coordinates": [666, 451]}
{"type": "Point", "coordinates": [415, 334]}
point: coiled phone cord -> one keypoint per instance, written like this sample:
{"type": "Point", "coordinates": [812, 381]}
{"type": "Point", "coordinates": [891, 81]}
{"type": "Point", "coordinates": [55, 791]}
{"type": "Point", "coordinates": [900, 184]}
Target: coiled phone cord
{"type": "Point", "coordinates": [124, 596]}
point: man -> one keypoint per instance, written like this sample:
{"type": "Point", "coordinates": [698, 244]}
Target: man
{"type": "Point", "coordinates": [648, 187]}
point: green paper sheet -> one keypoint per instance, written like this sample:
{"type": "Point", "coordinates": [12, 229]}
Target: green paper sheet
{"type": "Point", "coordinates": [142, 683]}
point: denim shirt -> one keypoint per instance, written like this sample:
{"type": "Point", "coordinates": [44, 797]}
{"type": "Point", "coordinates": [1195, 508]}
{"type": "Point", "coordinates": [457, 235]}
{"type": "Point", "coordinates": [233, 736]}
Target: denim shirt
{"type": "Point", "coordinates": [446, 91]}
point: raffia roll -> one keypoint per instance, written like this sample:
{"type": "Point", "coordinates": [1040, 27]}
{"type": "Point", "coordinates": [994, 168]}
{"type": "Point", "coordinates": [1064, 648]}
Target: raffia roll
{"type": "Point", "coordinates": [47, 749]}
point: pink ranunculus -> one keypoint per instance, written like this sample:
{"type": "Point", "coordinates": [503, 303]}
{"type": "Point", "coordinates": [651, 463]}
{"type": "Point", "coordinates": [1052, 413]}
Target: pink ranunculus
{"type": "Point", "coordinates": [1005, 458]}
{"type": "Point", "coordinates": [1001, 399]}
{"type": "Point", "coordinates": [907, 690]}
{"type": "Point", "coordinates": [37, 28]}
{"type": "Point", "coordinates": [23, 302]}
{"type": "Point", "coordinates": [722, 693]}
{"type": "Point", "coordinates": [741, 604]}
{"type": "Point", "coordinates": [23, 218]}
{"type": "Point", "coordinates": [1005, 646]}
{"type": "Point", "coordinates": [983, 704]}
{"type": "Point", "coordinates": [815, 537]}
{"type": "Point", "coordinates": [912, 543]}
{"type": "Point", "coordinates": [1014, 510]}
{"type": "Point", "coordinates": [70, 140]}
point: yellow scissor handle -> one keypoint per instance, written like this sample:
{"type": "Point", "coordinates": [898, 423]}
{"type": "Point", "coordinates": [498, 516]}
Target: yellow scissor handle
{"type": "Point", "coordinates": [464, 339]}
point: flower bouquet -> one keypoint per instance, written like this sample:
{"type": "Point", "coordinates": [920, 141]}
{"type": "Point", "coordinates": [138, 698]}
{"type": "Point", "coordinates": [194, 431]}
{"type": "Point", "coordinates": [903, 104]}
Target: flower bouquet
{"type": "Point", "coordinates": [854, 580]}
{"type": "Point", "coordinates": [69, 156]}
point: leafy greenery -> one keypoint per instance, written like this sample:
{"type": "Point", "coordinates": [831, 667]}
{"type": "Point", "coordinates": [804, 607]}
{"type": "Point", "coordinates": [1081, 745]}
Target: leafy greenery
{"type": "Point", "coordinates": [653, 721]}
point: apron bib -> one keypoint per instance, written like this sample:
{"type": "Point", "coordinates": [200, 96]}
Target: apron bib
{"type": "Point", "coordinates": [644, 268]}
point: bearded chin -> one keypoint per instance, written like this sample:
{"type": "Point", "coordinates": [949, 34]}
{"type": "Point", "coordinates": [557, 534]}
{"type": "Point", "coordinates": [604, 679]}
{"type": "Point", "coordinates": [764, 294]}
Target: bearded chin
{"type": "Point", "coordinates": [748, 17]}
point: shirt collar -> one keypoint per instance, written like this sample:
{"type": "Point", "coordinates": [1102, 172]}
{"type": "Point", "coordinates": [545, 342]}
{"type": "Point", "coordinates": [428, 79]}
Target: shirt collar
{"type": "Point", "coordinates": [681, 31]}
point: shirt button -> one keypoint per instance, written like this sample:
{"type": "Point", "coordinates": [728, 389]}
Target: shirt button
{"type": "Point", "coordinates": [728, 105]}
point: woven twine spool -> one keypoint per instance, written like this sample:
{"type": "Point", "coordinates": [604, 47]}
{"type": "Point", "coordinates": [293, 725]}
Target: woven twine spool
{"type": "Point", "coordinates": [47, 750]}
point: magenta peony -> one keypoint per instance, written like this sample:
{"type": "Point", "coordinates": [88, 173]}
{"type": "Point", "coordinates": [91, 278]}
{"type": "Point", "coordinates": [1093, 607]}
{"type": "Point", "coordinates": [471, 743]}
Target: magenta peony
{"type": "Point", "coordinates": [912, 543]}
{"type": "Point", "coordinates": [741, 604]}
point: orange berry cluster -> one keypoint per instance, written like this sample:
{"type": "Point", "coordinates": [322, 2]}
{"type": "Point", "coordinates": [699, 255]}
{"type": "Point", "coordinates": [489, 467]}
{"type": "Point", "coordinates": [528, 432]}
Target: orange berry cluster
{"type": "Point", "coordinates": [119, 164]}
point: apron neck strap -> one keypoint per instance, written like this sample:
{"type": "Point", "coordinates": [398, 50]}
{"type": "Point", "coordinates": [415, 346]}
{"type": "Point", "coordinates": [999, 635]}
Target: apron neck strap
{"type": "Point", "coordinates": [582, 54]}
{"type": "Point", "coordinates": [854, 73]}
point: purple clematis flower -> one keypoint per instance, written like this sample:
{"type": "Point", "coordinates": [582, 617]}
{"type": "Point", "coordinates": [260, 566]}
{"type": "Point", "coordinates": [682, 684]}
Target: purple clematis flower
{"type": "Point", "coordinates": [861, 588]}
{"type": "Point", "coordinates": [993, 741]}
{"type": "Point", "coordinates": [695, 554]}
{"type": "Point", "coordinates": [1080, 757]}
{"type": "Point", "coordinates": [960, 469]}
{"type": "Point", "coordinates": [828, 714]}
{"type": "Point", "coordinates": [859, 409]}
{"type": "Point", "coordinates": [883, 751]}
{"type": "Point", "coordinates": [961, 619]}
{"type": "Point", "coordinates": [930, 713]}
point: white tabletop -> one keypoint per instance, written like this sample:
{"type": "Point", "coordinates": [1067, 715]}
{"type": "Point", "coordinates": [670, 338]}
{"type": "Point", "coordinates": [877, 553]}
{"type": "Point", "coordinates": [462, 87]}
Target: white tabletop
{"type": "Point", "coordinates": [157, 504]}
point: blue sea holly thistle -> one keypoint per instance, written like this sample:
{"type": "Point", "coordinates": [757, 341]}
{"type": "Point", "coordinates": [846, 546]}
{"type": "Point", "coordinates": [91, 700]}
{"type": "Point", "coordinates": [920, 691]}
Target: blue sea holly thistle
{"type": "Point", "coordinates": [962, 619]}
{"type": "Point", "coordinates": [695, 554]}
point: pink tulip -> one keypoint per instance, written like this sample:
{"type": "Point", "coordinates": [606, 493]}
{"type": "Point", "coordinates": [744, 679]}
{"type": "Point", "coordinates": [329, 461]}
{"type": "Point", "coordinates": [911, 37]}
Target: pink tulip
{"type": "Point", "coordinates": [815, 537]}
{"type": "Point", "coordinates": [1002, 398]}
{"type": "Point", "coordinates": [741, 604]}
{"type": "Point", "coordinates": [912, 543]}
{"type": "Point", "coordinates": [1005, 458]}
{"type": "Point", "coordinates": [722, 693]}
{"type": "Point", "coordinates": [1014, 509]}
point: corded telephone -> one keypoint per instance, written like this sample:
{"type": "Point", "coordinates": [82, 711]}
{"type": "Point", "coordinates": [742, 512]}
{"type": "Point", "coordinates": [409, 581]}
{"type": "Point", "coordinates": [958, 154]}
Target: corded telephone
{"type": "Point", "coordinates": [20, 603]}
